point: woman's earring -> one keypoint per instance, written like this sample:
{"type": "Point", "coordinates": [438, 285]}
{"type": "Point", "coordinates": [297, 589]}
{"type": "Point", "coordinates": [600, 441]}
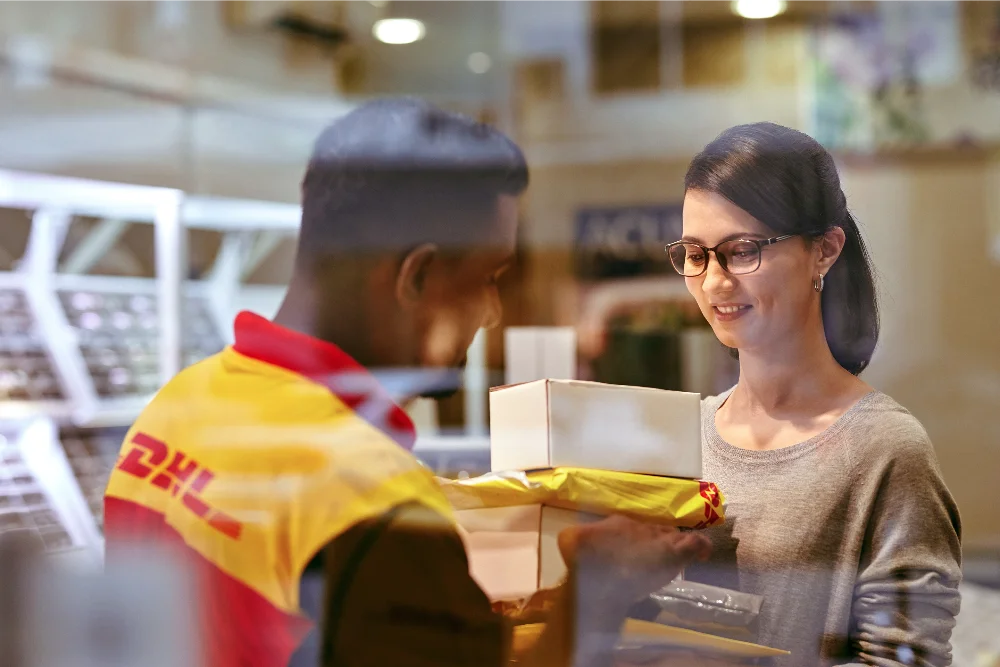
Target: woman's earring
{"type": "Point", "coordinates": [818, 283]}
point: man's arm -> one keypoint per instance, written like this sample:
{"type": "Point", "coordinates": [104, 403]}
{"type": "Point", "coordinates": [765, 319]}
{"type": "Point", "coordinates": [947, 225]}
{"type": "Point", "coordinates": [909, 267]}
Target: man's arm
{"type": "Point", "coordinates": [398, 592]}
{"type": "Point", "coordinates": [611, 565]}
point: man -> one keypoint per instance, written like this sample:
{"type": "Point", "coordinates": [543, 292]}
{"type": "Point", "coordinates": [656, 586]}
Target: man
{"type": "Point", "coordinates": [284, 460]}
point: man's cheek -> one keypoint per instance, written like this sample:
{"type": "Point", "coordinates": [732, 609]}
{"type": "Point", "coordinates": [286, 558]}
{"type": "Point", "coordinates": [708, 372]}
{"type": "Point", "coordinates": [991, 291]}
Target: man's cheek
{"type": "Point", "coordinates": [444, 337]}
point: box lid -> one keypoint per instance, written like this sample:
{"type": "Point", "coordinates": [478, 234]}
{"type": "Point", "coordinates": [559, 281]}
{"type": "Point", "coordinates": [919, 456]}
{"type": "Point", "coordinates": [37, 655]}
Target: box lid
{"type": "Point", "coordinates": [588, 383]}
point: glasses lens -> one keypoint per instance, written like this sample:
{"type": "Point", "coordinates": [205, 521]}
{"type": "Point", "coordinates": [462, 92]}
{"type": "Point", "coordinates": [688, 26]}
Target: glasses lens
{"type": "Point", "coordinates": [741, 256]}
{"type": "Point", "coordinates": [688, 259]}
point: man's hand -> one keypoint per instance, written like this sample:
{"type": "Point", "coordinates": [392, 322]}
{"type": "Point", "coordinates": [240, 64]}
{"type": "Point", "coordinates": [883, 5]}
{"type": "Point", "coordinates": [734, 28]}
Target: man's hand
{"type": "Point", "coordinates": [617, 561]}
{"type": "Point", "coordinates": [612, 564]}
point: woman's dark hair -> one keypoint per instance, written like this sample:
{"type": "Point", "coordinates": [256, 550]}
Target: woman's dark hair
{"type": "Point", "coordinates": [789, 182]}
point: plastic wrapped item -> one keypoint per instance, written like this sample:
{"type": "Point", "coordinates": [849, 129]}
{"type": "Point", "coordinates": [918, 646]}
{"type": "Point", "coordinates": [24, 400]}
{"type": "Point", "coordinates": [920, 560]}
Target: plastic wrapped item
{"type": "Point", "coordinates": [717, 611]}
{"type": "Point", "coordinates": [679, 502]}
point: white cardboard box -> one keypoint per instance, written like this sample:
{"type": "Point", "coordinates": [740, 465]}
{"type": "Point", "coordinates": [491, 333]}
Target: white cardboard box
{"type": "Point", "coordinates": [576, 424]}
{"type": "Point", "coordinates": [514, 551]}
{"type": "Point", "coordinates": [534, 353]}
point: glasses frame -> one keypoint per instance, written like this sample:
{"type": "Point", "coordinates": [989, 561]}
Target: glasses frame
{"type": "Point", "coordinates": [760, 243]}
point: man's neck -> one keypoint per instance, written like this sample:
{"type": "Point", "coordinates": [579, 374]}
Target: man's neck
{"type": "Point", "coordinates": [346, 324]}
{"type": "Point", "coordinates": [341, 323]}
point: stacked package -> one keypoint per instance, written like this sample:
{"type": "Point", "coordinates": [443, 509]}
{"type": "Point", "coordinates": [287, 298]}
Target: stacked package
{"type": "Point", "coordinates": [564, 452]}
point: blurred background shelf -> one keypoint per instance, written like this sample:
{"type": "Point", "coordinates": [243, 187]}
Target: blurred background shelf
{"type": "Point", "coordinates": [90, 329]}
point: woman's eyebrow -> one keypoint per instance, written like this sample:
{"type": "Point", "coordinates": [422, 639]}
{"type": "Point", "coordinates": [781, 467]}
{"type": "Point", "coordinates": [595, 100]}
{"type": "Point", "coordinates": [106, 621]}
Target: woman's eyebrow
{"type": "Point", "coordinates": [731, 237]}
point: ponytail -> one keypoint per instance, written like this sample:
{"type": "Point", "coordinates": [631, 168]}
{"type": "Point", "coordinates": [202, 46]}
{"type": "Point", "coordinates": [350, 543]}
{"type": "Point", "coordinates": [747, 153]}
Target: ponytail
{"type": "Point", "coordinates": [850, 304]}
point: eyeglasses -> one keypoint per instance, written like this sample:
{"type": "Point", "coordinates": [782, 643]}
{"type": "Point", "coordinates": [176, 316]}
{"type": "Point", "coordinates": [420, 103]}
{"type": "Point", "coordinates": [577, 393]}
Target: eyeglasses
{"type": "Point", "coordinates": [737, 257]}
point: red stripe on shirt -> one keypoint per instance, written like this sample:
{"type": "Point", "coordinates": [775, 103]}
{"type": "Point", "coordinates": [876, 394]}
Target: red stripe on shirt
{"type": "Point", "coordinates": [327, 365]}
{"type": "Point", "coordinates": [238, 626]}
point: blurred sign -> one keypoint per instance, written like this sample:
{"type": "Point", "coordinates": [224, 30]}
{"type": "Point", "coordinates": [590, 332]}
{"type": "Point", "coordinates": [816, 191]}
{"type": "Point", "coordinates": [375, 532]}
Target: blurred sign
{"type": "Point", "coordinates": [625, 241]}
{"type": "Point", "coordinates": [923, 36]}
{"type": "Point", "coordinates": [984, 45]}
{"type": "Point", "coordinates": [871, 70]}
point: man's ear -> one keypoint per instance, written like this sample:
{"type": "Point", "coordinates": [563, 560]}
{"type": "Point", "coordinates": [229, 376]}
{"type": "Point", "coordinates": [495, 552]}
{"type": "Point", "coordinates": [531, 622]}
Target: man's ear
{"type": "Point", "coordinates": [413, 273]}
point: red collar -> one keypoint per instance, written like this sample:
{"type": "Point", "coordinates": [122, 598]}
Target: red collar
{"type": "Point", "coordinates": [325, 364]}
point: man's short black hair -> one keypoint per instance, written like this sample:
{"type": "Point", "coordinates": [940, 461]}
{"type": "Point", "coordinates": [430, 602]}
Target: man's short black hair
{"type": "Point", "coordinates": [395, 173]}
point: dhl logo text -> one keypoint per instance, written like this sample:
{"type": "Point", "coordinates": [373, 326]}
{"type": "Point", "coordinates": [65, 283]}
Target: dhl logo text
{"type": "Point", "coordinates": [710, 492]}
{"type": "Point", "coordinates": [145, 459]}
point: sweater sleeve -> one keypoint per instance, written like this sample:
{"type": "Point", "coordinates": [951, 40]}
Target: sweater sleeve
{"type": "Point", "coordinates": [906, 594]}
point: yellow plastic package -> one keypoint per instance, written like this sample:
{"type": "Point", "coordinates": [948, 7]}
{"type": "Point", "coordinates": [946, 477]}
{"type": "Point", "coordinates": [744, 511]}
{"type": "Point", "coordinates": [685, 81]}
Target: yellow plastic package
{"type": "Point", "coordinates": [677, 502]}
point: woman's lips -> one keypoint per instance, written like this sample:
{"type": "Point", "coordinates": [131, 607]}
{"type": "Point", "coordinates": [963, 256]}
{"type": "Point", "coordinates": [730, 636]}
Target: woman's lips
{"type": "Point", "coordinates": [727, 312]}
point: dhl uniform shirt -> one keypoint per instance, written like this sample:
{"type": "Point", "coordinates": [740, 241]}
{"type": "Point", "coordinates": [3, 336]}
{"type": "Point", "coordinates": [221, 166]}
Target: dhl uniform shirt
{"type": "Point", "coordinates": [248, 464]}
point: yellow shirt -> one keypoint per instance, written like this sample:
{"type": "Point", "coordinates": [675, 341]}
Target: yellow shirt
{"type": "Point", "coordinates": [248, 463]}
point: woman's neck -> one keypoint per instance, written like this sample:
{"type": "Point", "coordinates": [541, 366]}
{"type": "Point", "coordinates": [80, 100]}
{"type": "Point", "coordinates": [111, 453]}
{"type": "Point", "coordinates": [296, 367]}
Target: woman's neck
{"type": "Point", "coordinates": [800, 376]}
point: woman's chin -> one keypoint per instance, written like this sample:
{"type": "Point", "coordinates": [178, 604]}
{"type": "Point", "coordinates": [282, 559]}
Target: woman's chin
{"type": "Point", "coordinates": [726, 337]}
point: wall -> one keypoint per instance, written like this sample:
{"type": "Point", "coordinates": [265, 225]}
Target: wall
{"type": "Point", "coordinates": [927, 219]}
{"type": "Point", "coordinates": [556, 193]}
{"type": "Point", "coordinates": [169, 93]}
{"type": "Point", "coordinates": [160, 93]}
{"type": "Point", "coordinates": [90, 132]}
{"type": "Point", "coordinates": [736, 72]}
{"type": "Point", "coordinates": [994, 226]}
{"type": "Point", "coordinates": [191, 35]}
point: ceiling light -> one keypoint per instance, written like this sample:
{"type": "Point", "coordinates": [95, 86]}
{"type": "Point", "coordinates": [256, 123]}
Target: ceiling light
{"type": "Point", "coordinates": [479, 62]}
{"type": "Point", "coordinates": [398, 31]}
{"type": "Point", "coordinates": [759, 9]}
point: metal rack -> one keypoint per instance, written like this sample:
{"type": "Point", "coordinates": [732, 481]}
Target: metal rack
{"type": "Point", "coordinates": [81, 355]}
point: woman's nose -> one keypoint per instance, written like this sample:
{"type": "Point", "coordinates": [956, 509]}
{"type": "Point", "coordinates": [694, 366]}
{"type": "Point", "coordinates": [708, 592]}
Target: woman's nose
{"type": "Point", "coordinates": [716, 278]}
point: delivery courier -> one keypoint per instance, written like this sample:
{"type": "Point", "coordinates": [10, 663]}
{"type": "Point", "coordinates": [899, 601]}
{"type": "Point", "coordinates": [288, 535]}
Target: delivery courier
{"type": "Point", "coordinates": [280, 469]}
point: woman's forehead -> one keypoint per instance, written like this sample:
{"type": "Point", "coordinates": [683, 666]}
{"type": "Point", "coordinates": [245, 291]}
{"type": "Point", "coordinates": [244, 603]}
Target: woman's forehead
{"type": "Point", "coordinates": [710, 217]}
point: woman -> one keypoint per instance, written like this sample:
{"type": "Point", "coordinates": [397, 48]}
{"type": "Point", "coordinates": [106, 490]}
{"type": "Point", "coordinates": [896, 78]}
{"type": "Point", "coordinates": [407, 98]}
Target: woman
{"type": "Point", "coordinates": [837, 513]}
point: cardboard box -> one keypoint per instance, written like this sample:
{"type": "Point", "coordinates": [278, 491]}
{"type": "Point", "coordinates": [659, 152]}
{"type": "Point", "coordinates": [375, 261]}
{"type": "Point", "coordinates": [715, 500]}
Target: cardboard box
{"type": "Point", "coordinates": [641, 641]}
{"type": "Point", "coordinates": [534, 353]}
{"type": "Point", "coordinates": [576, 424]}
{"type": "Point", "coordinates": [514, 551]}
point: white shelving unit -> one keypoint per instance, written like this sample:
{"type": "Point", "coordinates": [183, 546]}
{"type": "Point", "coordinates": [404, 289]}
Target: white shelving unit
{"type": "Point", "coordinates": [99, 347]}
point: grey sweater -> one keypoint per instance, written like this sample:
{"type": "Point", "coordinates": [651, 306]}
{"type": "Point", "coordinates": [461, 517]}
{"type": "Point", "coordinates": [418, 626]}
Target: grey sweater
{"type": "Point", "coordinates": [851, 537]}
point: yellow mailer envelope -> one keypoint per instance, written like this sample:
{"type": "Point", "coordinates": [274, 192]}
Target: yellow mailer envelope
{"type": "Point", "coordinates": [677, 502]}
